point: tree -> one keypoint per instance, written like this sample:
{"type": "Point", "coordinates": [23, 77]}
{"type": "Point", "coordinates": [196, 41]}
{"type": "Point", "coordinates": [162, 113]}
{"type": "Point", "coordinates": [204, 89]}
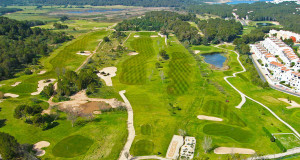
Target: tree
{"type": "Point", "coordinates": [9, 148]}
{"type": "Point", "coordinates": [164, 54]}
{"type": "Point", "coordinates": [106, 39]}
{"type": "Point", "coordinates": [206, 144]}
{"type": "Point", "coordinates": [72, 116]}
{"type": "Point", "coordinates": [63, 18]}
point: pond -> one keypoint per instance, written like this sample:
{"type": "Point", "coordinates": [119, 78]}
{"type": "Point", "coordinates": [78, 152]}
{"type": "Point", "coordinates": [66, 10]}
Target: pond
{"type": "Point", "coordinates": [217, 59]}
{"type": "Point", "coordinates": [264, 24]}
{"type": "Point", "coordinates": [94, 11]}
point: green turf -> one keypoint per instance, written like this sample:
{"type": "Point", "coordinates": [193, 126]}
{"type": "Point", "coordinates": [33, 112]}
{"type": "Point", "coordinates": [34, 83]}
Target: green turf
{"type": "Point", "coordinates": [238, 134]}
{"type": "Point", "coordinates": [143, 147]}
{"type": "Point", "coordinates": [146, 129]}
{"type": "Point", "coordinates": [289, 141]}
{"type": "Point", "coordinates": [72, 146]}
{"type": "Point", "coordinates": [134, 69]}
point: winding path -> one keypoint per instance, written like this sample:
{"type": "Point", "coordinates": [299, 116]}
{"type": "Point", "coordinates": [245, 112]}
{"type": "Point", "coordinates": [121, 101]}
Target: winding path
{"type": "Point", "coordinates": [125, 153]}
{"type": "Point", "coordinates": [289, 152]}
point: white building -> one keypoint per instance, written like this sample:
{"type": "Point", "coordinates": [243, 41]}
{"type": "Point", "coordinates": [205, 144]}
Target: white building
{"type": "Point", "coordinates": [279, 62]}
{"type": "Point", "coordinates": [280, 1]}
{"type": "Point", "coordinates": [285, 35]}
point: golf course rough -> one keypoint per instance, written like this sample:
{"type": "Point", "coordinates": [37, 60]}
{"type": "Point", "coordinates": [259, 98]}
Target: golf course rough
{"type": "Point", "coordinates": [72, 146]}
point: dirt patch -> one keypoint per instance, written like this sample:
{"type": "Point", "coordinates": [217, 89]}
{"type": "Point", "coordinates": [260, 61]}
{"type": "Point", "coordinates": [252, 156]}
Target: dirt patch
{"type": "Point", "coordinates": [11, 95]}
{"type": "Point", "coordinates": [136, 36]}
{"type": "Point", "coordinates": [42, 72]}
{"type": "Point", "coordinates": [41, 85]}
{"type": "Point", "coordinates": [232, 150]}
{"type": "Point", "coordinates": [90, 107]}
{"type": "Point", "coordinates": [292, 104]}
{"type": "Point", "coordinates": [153, 36]}
{"type": "Point", "coordinates": [133, 53]}
{"type": "Point", "coordinates": [106, 74]}
{"type": "Point", "coordinates": [38, 148]}
{"type": "Point", "coordinates": [17, 83]}
{"type": "Point", "coordinates": [209, 118]}
{"type": "Point", "coordinates": [84, 53]}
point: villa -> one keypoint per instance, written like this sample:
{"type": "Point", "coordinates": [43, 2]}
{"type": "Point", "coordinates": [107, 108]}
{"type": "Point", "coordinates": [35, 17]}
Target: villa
{"type": "Point", "coordinates": [278, 62]}
{"type": "Point", "coordinates": [285, 35]}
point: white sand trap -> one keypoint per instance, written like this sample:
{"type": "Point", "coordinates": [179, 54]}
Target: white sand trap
{"type": "Point", "coordinates": [42, 72]}
{"type": "Point", "coordinates": [11, 95]}
{"type": "Point", "coordinates": [38, 148]}
{"type": "Point", "coordinates": [133, 53]}
{"type": "Point", "coordinates": [106, 74]}
{"type": "Point", "coordinates": [41, 85]}
{"type": "Point", "coordinates": [85, 53]}
{"type": "Point", "coordinates": [174, 147]}
{"type": "Point", "coordinates": [136, 36]}
{"type": "Point", "coordinates": [232, 150]}
{"type": "Point", "coordinates": [2, 85]}
{"type": "Point", "coordinates": [293, 104]}
{"type": "Point", "coordinates": [196, 51]}
{"type": "Point", "coordinates": [17, 83]}
{"type": "Point", "coordinates": [153, 36]}
{"type": "Point", "coordinates": [209, 118]}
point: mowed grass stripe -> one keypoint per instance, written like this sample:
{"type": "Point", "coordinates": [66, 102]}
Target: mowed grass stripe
{"type": "Point", "coordinates": [134, 69]}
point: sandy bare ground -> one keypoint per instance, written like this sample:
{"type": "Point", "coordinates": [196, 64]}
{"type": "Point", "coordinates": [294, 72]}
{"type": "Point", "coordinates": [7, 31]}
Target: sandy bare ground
{"type": "Point", "coordinates": [85, 53]}
{"type": "Point", "coordinates": [79, 100]}
{"type": "Point", "coordinates": [42, 72]}
{"type": "Point", "coordinates": [196, 51]}
{"type": "Point", "coordinates": [232, 150]}
{"type": "Point", "coordinates": [106, 74]}
{"type": "Point", "coordinates": [293, 104]}
{"type": "Point", "coordinates": [136, 36]}
{"type": "Point", "coordinates": [11, 95]}
{"type": "Point", "coordinates": [209, 118]}
{"type": "Point", "coordinates": [38, 148]}
{"type": "Point", "coordinates": [174, 147]}
{"type": "Point", "coordinates": [153, 36]}
{"type": "Point", "coordinates": [41, 85]}
{"type": "Point", "coordinates": [17, 83]}
{"type": "Point", "coordinates": [133, 53]}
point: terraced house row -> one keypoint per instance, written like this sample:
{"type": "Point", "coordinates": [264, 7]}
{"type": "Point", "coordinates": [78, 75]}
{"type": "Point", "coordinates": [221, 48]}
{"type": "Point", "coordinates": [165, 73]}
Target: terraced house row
{"type": "Point", "coordinates": [278, 62]}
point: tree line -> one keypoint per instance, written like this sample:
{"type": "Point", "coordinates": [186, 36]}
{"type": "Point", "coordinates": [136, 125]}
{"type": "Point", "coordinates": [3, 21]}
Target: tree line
{"type": "Point", "coordinates": [8, 10]}
{"type": "Point", "coordinates": [21, 45]}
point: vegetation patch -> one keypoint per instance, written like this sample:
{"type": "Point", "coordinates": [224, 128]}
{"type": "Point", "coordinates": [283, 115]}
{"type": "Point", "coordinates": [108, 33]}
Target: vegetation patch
{"type": "Point", "coordinates": [134, 69]}
{"type": "Point", "coordinates": [289, 141]}
{"type": "Point", "coordinates": [143, 147]}
{"type": "Point", "coordinates": [146, 129]}
{"type": "Point", "coordinates": [238, 134]}
{"type": "Point", "coordinates": [72, 146]}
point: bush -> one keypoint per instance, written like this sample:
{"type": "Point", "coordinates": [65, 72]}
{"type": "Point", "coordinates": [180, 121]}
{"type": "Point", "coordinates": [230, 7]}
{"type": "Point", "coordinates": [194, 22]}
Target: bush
{"type": "Point", "coordinates": [27, 71]}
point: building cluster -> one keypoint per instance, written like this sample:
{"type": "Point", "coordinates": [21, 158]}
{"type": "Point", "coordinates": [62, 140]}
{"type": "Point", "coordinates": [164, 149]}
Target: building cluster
{"type": "Point", "coordinates": [278, 62]}
{"type": "Point", "coordinates": [182, 148]}
{"type": "Point", "coordinates": [280, 1]}
{"type": "Point", "coordinates": [285, 35]}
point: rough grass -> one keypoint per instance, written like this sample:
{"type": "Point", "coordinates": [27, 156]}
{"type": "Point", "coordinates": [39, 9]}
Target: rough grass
{"type": "Point", "coordinates": [134, 69]}
{"type": "Point", "coordinates": [238, 134]}
{"type": "Point", "coordinates": [72, 146]}
{"type": "Point", "coordinates": [289, 141]}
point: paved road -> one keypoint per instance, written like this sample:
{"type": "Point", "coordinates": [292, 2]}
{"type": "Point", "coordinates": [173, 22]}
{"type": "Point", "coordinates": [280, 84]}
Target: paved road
{"type": "Point", "coordinates": [149, 157]}
{"type": "Point", "coordinates": [125, 154]}
{"type": "Point", "coordinates": [273, 156]}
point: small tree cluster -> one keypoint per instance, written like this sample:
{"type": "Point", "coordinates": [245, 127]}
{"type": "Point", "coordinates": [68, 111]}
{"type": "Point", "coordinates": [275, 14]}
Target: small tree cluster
{"type": "Point", "coordinates": [164, 54]}
{"type": "Point", "coordinates": [48, 91]}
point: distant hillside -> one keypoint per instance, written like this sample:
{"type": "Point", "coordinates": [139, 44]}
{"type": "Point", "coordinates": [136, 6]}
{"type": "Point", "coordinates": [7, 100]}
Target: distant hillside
{"type": "Point", "coordinates": [8, 10]}
{"type": "Point", "coordinates": [145, 3]}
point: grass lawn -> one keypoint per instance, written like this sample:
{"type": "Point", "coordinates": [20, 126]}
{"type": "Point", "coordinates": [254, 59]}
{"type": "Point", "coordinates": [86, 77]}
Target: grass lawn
{"type": "Point", "coordinates": [72, 146]}
{"type": "Point", "coordinates": [206, 49]}
{"type": "Point", "coordinates": [289, 141]}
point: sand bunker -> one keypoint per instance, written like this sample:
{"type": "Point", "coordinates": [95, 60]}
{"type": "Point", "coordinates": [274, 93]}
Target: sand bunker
{"type": "Point", "coordinates": [133, 53]}
{"type": "Point", "coordinates": [196, 51]}
{"type": "Point", "coordinates": [231, 150]}
{"type": "Point", "coordinates": [2, 85]}
{"type": "Point", "coordinates": [41, 85]}
{"type": "Point", "coordinates": [42, 72]}
{"type": "Point", "coordinates": [136, 36]}
{"type": "Point", "coordinates": [11, 95]}
{"type": "Point", "coordinates": [293, 104]}
{"type": "Point", "coordinates": [17, 83]}
{"type": "Point", "coordinates": [209, 118]}
{"type": "Point", "coordinates": [85, 53]}
{"type": "Point", "coordinates": [38, 148]}
{"type": "Point", "coordinates": [153, 36]}
{"type": "Point", "coordinates": [106, 74]}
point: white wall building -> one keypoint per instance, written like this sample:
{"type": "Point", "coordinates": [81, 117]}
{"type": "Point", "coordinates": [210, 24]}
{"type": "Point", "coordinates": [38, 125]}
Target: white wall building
{"type": "Point", "coordinates": [284, 34]}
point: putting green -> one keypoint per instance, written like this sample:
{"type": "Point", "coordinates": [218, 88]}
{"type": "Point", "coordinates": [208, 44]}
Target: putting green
{"type": "Point", "coordinates": [72, 146]}
{"type": "Point", "coordinates": [238, 134]}
{"type": "Point", "coordinates": [143, 147]}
